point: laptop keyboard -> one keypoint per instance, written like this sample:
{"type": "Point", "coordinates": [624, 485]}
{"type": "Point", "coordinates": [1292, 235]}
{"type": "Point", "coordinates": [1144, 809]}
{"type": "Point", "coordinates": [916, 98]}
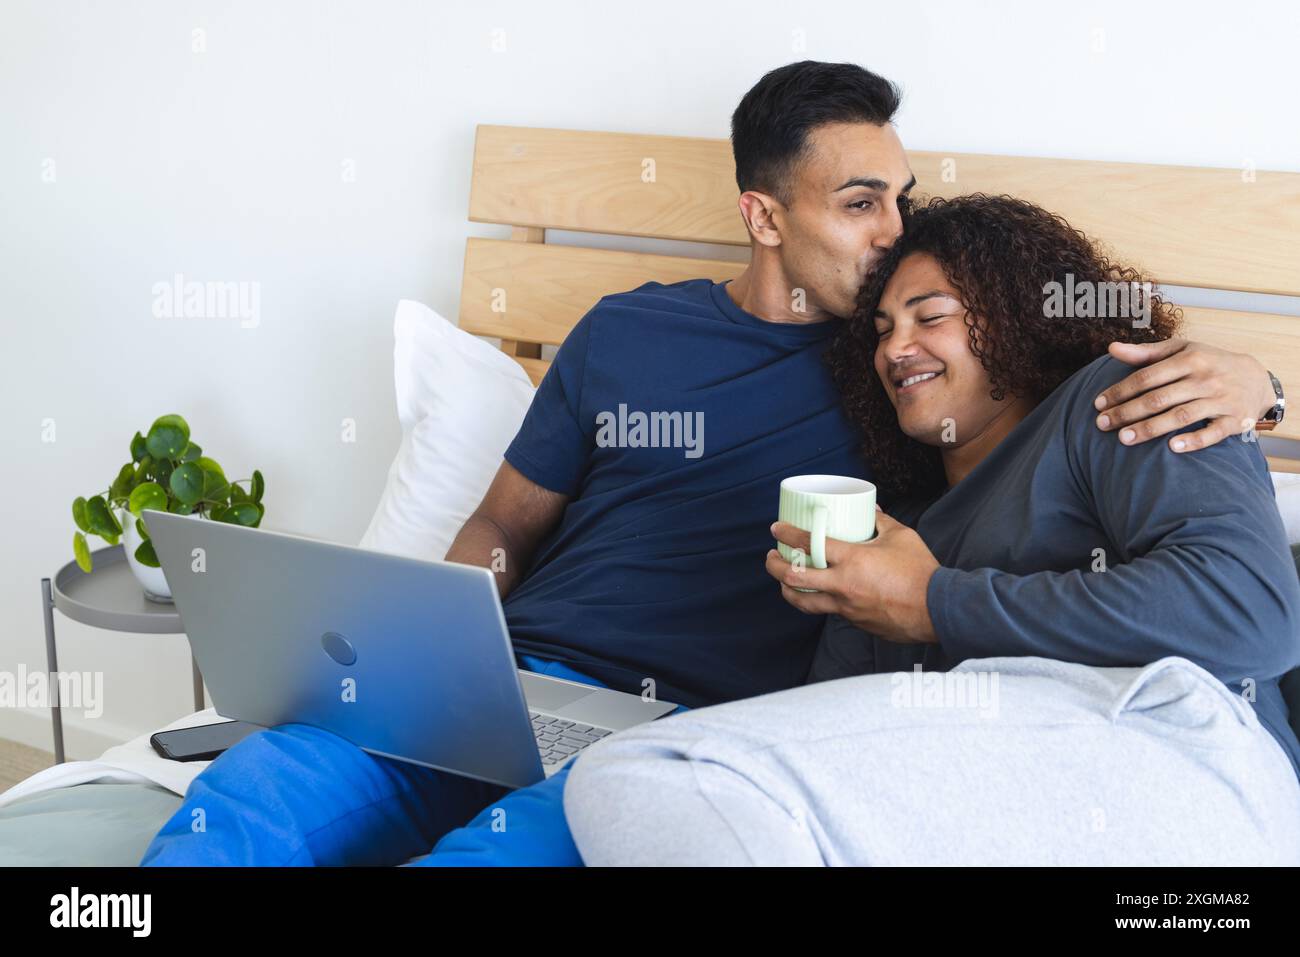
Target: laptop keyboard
{"type": "Point", "coordinates": [558, 738]}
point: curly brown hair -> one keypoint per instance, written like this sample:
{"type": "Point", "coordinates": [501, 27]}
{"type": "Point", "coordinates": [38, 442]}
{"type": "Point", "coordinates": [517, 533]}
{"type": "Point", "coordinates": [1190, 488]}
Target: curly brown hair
{"type": "Point", "coordinates": [1000, 253]}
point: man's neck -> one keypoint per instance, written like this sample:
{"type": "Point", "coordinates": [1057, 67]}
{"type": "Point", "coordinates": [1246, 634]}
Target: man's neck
{"type": "Point", "coordinates": [762, 290]}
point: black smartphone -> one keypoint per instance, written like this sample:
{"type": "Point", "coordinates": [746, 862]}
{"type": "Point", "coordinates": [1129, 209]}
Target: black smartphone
{"type": "Point", "coordinates": [202, 743]}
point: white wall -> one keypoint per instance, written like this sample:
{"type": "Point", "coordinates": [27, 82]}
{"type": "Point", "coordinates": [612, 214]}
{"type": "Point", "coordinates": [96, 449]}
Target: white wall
{"type": "Point", "coordinates": [226, 165]}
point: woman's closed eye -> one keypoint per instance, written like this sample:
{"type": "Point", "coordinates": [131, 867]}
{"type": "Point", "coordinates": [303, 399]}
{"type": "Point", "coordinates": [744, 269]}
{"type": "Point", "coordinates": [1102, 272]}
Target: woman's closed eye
{"type": "Point", "coordinates": [882, 333]}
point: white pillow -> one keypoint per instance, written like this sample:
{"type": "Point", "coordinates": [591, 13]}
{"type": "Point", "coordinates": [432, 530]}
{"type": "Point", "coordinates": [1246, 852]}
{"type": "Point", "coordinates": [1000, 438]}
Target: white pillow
{"type": "Point", "coordinates": [460, 402]}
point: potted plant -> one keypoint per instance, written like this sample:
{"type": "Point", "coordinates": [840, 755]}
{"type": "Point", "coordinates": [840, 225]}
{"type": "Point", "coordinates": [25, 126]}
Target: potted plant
{"type": "Point", "coordinates": [169, 473]}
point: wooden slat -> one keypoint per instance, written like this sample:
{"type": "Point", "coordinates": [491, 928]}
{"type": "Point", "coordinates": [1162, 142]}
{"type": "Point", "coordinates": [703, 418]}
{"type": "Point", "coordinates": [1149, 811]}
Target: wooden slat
{"type": "Point", "coordinates": [1184, 225]}
{"type": "Point", "coordinates": [547, 288]}
{"type": "Point", "coordinates": [593, 182]}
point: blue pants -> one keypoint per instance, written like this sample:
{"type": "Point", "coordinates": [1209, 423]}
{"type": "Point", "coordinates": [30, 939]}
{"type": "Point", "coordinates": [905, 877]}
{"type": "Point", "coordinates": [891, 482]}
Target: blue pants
{"type": "Point", "coordinates": [297, 795]}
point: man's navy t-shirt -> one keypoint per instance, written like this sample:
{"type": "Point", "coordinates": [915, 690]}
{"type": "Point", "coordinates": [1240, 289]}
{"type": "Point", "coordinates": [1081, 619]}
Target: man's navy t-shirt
{"type": "Point", "coordinates": [656, 568]}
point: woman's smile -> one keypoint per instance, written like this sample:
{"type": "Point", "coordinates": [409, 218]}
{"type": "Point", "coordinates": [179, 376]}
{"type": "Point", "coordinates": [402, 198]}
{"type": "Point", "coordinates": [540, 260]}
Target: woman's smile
{"type": "Point", "coordinates": [914, 382]}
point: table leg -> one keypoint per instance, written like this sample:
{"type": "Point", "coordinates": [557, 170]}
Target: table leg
{"type": "Point", "coordinates": [52, 659]}
{"type": "Point", "coordinates": [199, 703]}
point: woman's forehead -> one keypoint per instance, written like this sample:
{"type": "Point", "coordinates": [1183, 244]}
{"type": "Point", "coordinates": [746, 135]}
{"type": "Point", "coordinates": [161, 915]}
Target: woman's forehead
{"type": "Point", "coordinates": [918, 277]}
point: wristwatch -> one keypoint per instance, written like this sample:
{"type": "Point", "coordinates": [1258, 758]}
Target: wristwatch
{"type": "Point", "coordinates": [1273, 417]}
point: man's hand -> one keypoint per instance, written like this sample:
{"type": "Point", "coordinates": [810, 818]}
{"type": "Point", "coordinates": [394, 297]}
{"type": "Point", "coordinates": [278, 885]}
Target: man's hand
{"type": "Point", "coordinates": [1182, 382]}
{"type": "Point", "coordinates": [878, 585]}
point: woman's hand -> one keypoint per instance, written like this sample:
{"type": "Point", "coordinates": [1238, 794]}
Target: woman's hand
{"type": "Point", "coordinates": [879, 585]}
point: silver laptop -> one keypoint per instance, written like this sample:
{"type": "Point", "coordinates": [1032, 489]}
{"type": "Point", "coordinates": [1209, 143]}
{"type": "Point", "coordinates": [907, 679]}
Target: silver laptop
{"type": "Point", "coordinates": [404, 658]}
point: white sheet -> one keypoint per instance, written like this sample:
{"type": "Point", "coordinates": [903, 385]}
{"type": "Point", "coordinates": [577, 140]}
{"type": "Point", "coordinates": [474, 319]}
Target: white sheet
{"type": "Point", "coordinates": [135, 762]}
{"type": "Point", "coordinates": [1287, 488]}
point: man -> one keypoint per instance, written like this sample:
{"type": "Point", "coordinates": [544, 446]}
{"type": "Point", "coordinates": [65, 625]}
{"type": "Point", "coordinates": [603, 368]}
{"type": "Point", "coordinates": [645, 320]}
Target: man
{"type": "Point", "coordinates": [640, 567]}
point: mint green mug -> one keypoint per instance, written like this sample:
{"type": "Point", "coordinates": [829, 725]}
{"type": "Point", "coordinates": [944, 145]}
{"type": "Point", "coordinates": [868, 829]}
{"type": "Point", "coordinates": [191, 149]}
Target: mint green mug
{"type": "Point", "coordinates": [826, 506]}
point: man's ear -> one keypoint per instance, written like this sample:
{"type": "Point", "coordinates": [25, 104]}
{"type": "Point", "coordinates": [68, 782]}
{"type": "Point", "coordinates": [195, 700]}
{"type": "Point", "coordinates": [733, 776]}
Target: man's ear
{"type": "Point", "coordinates": [759, 211]}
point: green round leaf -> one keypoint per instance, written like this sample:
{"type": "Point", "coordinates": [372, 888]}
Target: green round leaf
{"type": "Point", "coordinates": [145, 555]}
{"type": "Point", "coordinates": [148, 495]}
{"type": "Point", "coordinates": [215, 488]}
{"type": "Point", "coordinates": [168, 437]}
{"type": "Point", "coordinates": [82, 551]}
{"type": "Point", "coordinates": [186, 483]}
{"type": "Point", "coordinates": [259, 486]}
{"type": "Point", "coordinates": [210, 465]}
{"type": "Point", "coordinates": [138, 449]}
{"type": "Point", "coordinates": [139, 527]}
{"type": "Point", "coordinates": [192, 452]}
{"type": "Point", "coordinates": [162, 472]}
{"type": "Point", "coordinates": [123, 484]}
{"type": "Point", "coordinates": [97, 516]}
{"type": "Point", "coordinates": [245, 513]}
{"type": "Point", "coordinates": [99, 519]}
{"type": "Point", "coordinates": [178, 507]}
{"type": "Point", "coordinates": [238, 495]}
{"type": "Point", "coordinates": [79, 513]}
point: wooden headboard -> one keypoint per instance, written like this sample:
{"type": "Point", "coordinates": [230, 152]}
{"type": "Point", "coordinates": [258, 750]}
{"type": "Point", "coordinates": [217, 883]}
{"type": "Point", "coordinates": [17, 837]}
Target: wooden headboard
{"type": "Point", "coordinates": [1215, 228]}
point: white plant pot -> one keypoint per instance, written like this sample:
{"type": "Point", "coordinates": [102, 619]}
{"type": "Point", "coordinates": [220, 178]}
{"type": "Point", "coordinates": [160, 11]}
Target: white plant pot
{"type": "Point", "coordinates": [152, 580]}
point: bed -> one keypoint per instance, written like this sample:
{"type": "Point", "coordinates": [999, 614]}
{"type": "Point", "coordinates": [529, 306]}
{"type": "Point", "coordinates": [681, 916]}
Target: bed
{"type": "Point", "coordinates": [1230, 229]}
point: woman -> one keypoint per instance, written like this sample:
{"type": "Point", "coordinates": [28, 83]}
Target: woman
{"type": "Point", "coordinates": [1112, 620]}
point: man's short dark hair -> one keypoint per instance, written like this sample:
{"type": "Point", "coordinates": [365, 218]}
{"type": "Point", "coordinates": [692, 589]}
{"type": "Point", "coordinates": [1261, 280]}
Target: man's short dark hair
{"type": "Point", "coordinates": [769, 130]}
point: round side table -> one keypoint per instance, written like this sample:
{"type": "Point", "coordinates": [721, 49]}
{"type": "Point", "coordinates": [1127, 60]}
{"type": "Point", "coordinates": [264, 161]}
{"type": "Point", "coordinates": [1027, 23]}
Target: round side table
{"type": "Point", "coordinates": [109, 597]}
